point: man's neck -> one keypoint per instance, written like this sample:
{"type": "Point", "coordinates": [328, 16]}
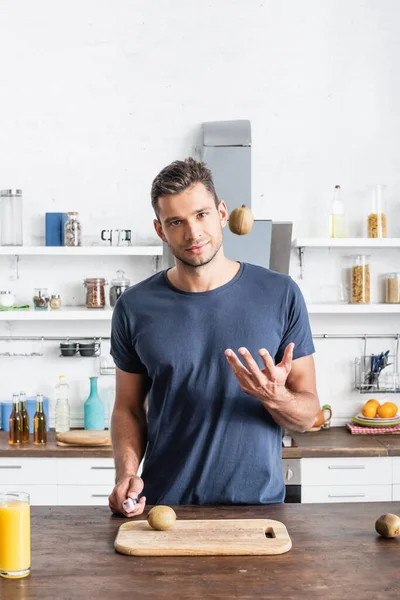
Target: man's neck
{"type": "Point", "coordinates": [216, 273]}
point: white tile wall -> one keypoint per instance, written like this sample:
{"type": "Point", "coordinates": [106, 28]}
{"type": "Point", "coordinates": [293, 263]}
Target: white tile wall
{"type": "Point", "coordinates": [94, 104]}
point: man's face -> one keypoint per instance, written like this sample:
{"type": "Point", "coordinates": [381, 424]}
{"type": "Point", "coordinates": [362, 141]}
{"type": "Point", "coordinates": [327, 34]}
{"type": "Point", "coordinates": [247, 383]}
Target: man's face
{"type": "Point", "coordinates": [191, 225]}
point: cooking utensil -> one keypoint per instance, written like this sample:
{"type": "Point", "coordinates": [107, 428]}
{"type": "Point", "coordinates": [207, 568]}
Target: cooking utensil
{"type": "Point", "coordinates": [204, 537]}
{"type": "Point", "coordinates": [88, 437]}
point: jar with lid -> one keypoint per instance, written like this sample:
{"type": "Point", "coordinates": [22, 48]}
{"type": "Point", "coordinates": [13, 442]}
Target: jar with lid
{"type": "Point", "coordinates": [55, 301]}
{"type": "Point", "coordinates": [72, 230]}
{"type": "Point", "coordinates": [392, 288]}
{"type": "Point", "coordinates": [41, 299]}
{"type": "Point", "coordinates": [360, 280]}
{"type": "Point", "coordinates": [118, 286]}
{"type": "Point", "coordinates": [11, 217]}
{"type": "Point", "coordinates": [337, 216]}
{"type": "Point", "coordinates": [7, 299]}
{"type": "Point", "coordinates": [95, 292]}
{"type": "Point", "coordinates": [377, 222]}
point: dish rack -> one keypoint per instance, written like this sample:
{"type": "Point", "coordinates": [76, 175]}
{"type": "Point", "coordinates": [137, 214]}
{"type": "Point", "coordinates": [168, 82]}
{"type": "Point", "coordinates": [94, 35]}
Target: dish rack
{"type": "Point", "coordinates": [369, 378]}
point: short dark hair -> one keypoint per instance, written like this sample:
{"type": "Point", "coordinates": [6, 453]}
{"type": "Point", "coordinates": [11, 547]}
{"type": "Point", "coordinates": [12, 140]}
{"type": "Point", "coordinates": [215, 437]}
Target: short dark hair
{"type": "Point", "coordinates": [178, 177]}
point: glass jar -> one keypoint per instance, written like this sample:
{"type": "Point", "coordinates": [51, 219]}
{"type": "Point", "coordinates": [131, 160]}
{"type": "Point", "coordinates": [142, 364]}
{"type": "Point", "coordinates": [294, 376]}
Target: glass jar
{"type": "Point", "coordinates": [337, 217]}
{"type": "Point", "coordinates": [95, 292]}
{"type": "Point", "coordinates": [360, 280]}
{"type": "Point", "coordinates": [11, 217]}
{"type": "Point", "coordinates": [72, 230]}
{"type": "Point", "coordinates": [7, 299]}
{"type": "Point", "coordinates": [377, 222]}
{"type": "Point", "coordinates": [392, 288]}
{"type": "Point", "coordinates": [118, 286]}
{"type": "Point", "coordinates": [55, 301]}
{"type": "Point", "coordinates": [41, 299]}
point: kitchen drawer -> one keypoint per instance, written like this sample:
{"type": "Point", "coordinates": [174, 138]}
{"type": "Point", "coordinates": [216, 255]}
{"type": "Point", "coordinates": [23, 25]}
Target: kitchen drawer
{"type": "Point", "coordinates": [396, 469]}
{"type": "Point", "coordinates": [396, 493]}
{"type": "Point", "coordinates": [40, 495]}
{"type": "Point", "coordinates": [346, 493]}
{"type": "Point", "coordinates": [75, 495]}
{"type": "Point", "coordinates": [14, 470]}
{"type": "Point", "coordinates": [86, 471]}
{"type": "Point", "coordinates": [346, 471]}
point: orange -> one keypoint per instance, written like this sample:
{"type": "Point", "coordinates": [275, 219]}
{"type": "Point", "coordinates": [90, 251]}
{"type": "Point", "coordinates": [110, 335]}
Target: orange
{"type": "Point", "coordinates": [369, 410]}
{"type": "Point", "coordinates": [373, 402]}
{"type": "Point", "coordinates": [387, 410]}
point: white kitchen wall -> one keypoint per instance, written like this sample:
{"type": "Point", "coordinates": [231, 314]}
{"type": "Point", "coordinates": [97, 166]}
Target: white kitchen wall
{"type": "Point", "coordinates": [96, 97]}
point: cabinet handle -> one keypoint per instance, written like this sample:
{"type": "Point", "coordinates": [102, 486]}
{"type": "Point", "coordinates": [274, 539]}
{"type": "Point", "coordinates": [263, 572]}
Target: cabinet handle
{"type": "Point", "coordinates": [99, 496]}
{"type": "Point", "coordinates": [10, 466]}
{"type": "Point", "coordinates": [102, 468]}
{"type": "Point", "coordinates": [346, 467]}
{"type": "Point", "coordinates": [346, 495]}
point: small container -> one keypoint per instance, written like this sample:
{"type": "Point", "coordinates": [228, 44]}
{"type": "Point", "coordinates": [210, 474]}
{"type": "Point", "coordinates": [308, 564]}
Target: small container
{"type": "Point", "coordinates": [72, 230]}
{"type": "Point", "coordinates": [11, 217]}
{"type": "Point", "coordinates": [88, 350]}
{"type": "Point", "coordinates": [392, 288]}
{"type": "Point", "coordinates": [55, 302]}
{"type": "Point", "coordinates": [337, 216]}
{"type": "Point", "coordinates": [377, 222]}
{"type": "Point", "coordinates": [68, 348]}
{"type": "Point", "coordinates": [41, 299]}
{"type": "Point", "coordinates": [95, 292]}
{"type": "Point", "coordinates": [360, 280]}
{"type": "Point", "coordinates": [118, 286]}
{"type": "Point", "coordinates": [7, 299]}
{"type": "Point", "coordinates": [328, 413]}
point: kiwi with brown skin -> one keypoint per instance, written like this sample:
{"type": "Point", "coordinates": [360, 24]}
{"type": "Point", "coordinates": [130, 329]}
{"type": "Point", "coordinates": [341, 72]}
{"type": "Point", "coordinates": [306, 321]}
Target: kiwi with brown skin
{"type": "Point", "coordinates": [161, 517]}
{"type": "Point", "coordinates": [388, 525]}
{"type": "Point", "coordinates": [241, 220]}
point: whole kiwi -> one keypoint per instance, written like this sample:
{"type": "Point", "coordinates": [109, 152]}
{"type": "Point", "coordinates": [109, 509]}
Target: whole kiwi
{"type": "Point", "coordinates": [241, 220]}
{"type": "Point", "coordinates": [388, 525]}
{"type": "Point", "coordinates": [161, 517]}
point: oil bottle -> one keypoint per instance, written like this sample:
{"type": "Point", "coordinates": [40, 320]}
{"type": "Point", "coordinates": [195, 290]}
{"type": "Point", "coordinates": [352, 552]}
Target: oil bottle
{"type": "Point", "coordinates": [15, 423]}
{"type": "Point", "coordinates": [39, 423]}
{"type": "Point", "coordinates": [25, 417]}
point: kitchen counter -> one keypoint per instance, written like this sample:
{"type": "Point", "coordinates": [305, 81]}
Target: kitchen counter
{"type": "Point", "coordinates": [337, 441]}
{"type": "Point", "coordinates": [336, 553]}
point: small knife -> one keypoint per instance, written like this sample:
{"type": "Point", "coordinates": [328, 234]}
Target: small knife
{"type": "Point", "coordinates": [129, 504]}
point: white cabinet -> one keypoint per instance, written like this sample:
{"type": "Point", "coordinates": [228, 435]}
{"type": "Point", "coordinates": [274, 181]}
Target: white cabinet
{"type": "Point", "coordinates": [85, 471]}
{"type": "Point", "coordinates": [74, 495]}
{"type": "Point", "coordinates": [33, 471]}
{"type": "Point", "coordinates": [367, 479]}
{"type": "Point", "coordinates": [40, 495]}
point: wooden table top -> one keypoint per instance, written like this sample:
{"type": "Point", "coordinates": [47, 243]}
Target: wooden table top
{"type": "Point", "coordinates": [336, 554]}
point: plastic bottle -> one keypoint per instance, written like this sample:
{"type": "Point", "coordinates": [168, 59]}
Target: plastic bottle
{"type": "Point", "coordinates": [24, 417]}
{"type": "Point", "coordinates": [15, 423]}
{"type": "Point", "coordinates": [39, 423]}
{"type": "Point", "coordinates": [337, 217]}
{"type": "Point", "coordinates": [62, 406]}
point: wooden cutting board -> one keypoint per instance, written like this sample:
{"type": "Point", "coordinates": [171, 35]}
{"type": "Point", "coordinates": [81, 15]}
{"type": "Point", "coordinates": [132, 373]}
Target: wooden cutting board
{"type": "Point", "coordinates": [84, 437]}
{"type": "Point", "coordinates": [205, 538]}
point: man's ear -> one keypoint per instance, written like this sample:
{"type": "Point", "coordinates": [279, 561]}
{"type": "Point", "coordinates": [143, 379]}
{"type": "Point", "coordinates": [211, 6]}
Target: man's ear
{"type": "Point", "coordinates": [223, 212]}
{"type": "Point", "coordinates": [159, 230]}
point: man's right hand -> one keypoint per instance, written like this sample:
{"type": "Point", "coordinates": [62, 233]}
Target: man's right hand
{"type": "Point", "coordinates": [127, 487]}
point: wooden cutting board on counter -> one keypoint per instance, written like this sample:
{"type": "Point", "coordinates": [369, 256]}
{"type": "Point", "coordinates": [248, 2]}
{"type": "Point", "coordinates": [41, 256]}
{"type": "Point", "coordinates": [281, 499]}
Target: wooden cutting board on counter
{"type": "Point", "coordinates": [84, 437]}
{"type": "Point", "coordinates": [218, 537]}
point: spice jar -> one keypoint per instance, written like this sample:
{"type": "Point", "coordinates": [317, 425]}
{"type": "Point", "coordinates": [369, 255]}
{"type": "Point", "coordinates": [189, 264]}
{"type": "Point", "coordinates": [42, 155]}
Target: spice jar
{"type": "Point", "coordinates": [95, 293]}
{"type": "Point", "coordinates": [55, 301]}
{"type": "Point", "coordinates": [118, 286]}
{"type": "Point", "coordinates": [41, 299]}
{"type": "Point", "coordinates": [360, 280]}
{"type": "Point", "coordinates": [377, 217]}
{"type": "Point", "coordinates": [7, 299]}
{"type": "Point", "coordinates": [72, 230]}
{"type": "Point", "coordinates": [392, 288]}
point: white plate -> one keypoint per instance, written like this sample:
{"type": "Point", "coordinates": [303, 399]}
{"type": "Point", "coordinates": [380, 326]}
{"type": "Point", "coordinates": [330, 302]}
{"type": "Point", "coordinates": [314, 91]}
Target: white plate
{"type": "Point", "coordinates": [378, 419]}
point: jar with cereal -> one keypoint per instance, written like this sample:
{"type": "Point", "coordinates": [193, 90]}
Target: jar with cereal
{"type": "Point", "coordinates": [360, 280]}
{"type": "Point", "coordinates": [377, 222]}
{"type": "Point", "coordinates": [95, 292]}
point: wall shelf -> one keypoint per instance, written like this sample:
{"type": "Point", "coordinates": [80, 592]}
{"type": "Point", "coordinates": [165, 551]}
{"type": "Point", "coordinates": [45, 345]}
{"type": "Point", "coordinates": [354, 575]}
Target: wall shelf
{"type": "Point", "coordinates": [346, 243]}
{"type": "Point", "coordinates": [75, 313]}
{"type": "Point", "coordinates": [350, 309]}
{"type": "Point", "coordinates": [141, 250]}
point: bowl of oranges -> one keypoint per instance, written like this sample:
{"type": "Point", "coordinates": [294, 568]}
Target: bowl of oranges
{"type": "Point", "coordinates": [375, 414]}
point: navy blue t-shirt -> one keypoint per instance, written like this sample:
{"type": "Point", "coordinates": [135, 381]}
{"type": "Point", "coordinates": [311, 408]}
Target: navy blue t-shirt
{"type": "Point", "coordinates": [208, 441]}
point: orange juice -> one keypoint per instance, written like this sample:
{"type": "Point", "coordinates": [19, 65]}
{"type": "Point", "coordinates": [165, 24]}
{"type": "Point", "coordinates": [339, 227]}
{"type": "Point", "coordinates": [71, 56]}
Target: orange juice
{"type": "Point", "coordinates": [15, 535]}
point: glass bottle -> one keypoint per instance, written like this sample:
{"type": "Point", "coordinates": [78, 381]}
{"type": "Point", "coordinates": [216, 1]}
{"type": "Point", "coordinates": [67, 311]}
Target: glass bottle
{"type": "Point", "coordinates": [62, 406]}
{"type": "Point", "coordinates": [360, 280]}
{"type": "Point", "coordinates": [15, 423]}
{"type": "Point", "coordinates": [39, 423]}
{"type": "Point", "coordinates": [25, 417]}
{"type": "Point", "coordinates": [377, 222]}
{"type": "Point", "coordinates": [94, 417]}
{"type": "Point", "coordinates": [337, 216]}
{"type": "Point", "coordinates": [72, 230]}
{"type": "Point", "coordinates": [11, 217]}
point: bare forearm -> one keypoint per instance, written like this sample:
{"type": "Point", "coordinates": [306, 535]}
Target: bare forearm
{"type": "Point", "coordinates": [295, 411]}
{"type": "Point", "coordinates": [129, 439]}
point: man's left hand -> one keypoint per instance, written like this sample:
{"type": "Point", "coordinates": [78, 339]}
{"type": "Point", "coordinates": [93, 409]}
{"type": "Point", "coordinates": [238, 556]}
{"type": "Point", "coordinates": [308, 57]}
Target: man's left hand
{"type": "Point", "coordinates": [267, 384]}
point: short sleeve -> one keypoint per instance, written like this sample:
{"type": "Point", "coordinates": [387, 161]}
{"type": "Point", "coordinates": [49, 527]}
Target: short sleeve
{"type": "Point", "coordinates": [297, 328]}
{"type": "Point", "coordinates": [122, 349]}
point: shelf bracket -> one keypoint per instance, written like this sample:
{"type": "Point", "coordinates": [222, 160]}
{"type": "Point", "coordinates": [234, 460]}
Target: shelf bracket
{"type": "Point", "coordinates": [301, 259]}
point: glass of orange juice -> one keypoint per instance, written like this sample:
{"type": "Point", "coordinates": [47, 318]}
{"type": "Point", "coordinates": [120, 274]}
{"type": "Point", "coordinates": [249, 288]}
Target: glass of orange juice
{"type": "Point", "coordinates": [15, 535]}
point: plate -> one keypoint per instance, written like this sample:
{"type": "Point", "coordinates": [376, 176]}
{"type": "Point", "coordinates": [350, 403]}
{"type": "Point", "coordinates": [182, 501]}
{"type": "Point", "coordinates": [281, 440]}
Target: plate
{"type": "Point", "coordinates": [379, 419]}
{"type": "Point", "coordinates": [375, 423]}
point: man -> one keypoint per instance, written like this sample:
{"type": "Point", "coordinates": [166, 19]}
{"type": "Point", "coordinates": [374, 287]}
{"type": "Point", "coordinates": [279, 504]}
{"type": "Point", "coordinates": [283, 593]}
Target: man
{"type": "Point", "coordinates": [212, 434]}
